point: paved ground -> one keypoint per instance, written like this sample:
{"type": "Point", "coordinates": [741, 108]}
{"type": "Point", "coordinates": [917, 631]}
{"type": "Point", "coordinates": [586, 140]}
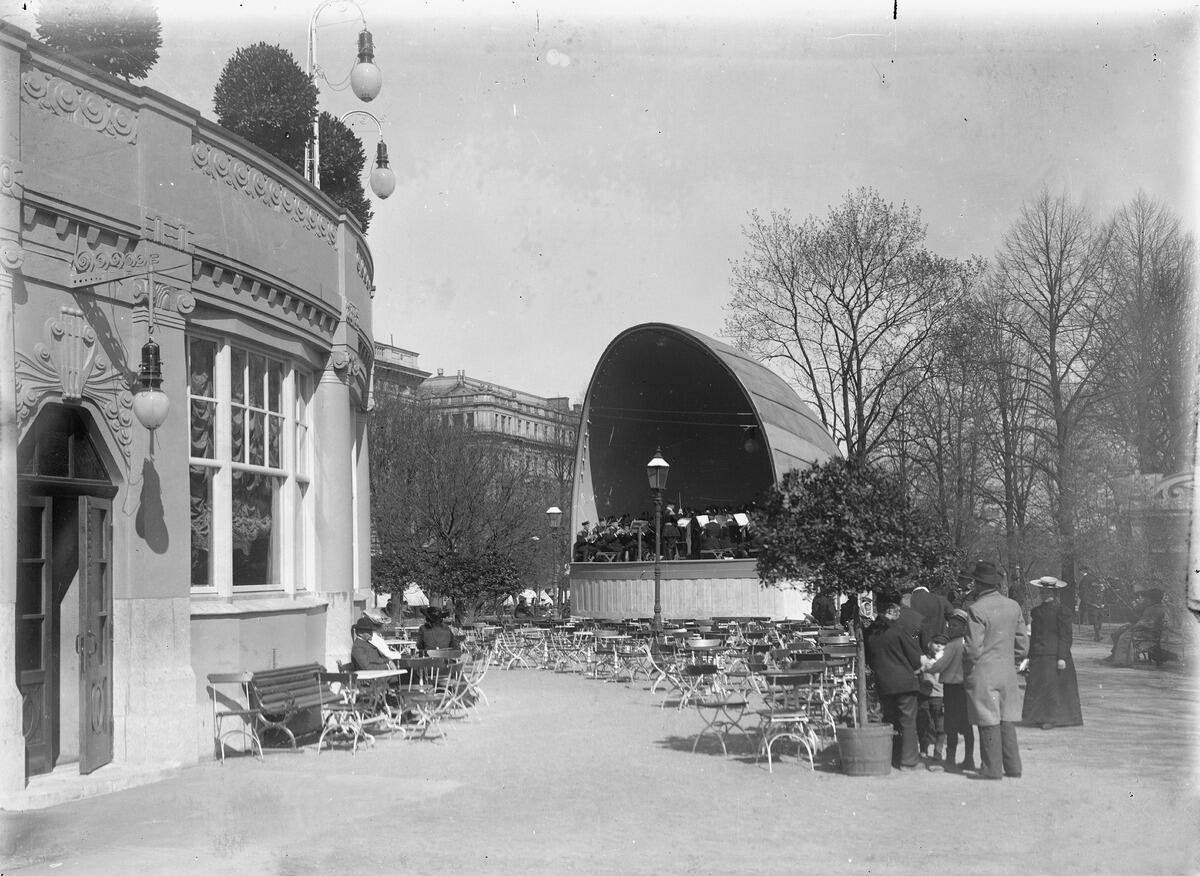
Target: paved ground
{"type": "Point", "coordinates": [561, 773]}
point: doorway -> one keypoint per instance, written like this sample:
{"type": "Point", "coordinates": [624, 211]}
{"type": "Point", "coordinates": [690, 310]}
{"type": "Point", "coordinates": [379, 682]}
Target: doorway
{"type": "Point", "coordinates": [64, 594]}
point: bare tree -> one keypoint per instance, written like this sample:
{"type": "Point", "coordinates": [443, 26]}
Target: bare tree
{"type": "Point", "coordinates": [1149, 283]}
{"type": "Point", "coordinates": [452, 510]}
{"type": "Point", "coordinates": [1051, 267]}
{"type": "Point", "coordinates": [846, 304]}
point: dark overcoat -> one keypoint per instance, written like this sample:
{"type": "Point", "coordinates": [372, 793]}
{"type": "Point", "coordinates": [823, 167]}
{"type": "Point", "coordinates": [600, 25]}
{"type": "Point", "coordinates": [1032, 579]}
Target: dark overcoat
{"type": "Point", "coordinates": [894, 656]}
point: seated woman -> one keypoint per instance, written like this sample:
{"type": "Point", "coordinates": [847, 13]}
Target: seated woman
{"type": "Point", "coordinates": [1148, 626]}
{"type": "Point", "coordinates": [364, 654]}
{"type": "Point", "coordinates": [434, 634]}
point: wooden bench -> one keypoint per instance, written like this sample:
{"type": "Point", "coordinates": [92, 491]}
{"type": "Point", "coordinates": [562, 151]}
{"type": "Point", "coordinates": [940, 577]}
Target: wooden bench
{"type": "Point", "coordinates": [289, 699]}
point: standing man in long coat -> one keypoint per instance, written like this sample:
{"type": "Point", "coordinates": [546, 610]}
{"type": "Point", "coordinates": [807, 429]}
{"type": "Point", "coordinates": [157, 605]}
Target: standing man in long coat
{"type": "Point", "coordinates": [895, 656]}
{"type": "Point", "coordinates": [996, 641]}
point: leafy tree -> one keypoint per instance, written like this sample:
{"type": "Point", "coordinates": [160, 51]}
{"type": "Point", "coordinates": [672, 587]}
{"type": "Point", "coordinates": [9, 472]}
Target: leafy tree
{"type": "Point", "coordinates": [264, 96]}
{"type": "Point", "coordinates": [121, 37]}
{"type": "Point", "coordinates": [847, 303]}
{"type": "Point", "coordinates": [845, 527]}
{"type": "Point", "coordinates": [342, 160]}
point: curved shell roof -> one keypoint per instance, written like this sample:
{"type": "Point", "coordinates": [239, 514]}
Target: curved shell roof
{"type": "Point", "coordinates": [728, 426]}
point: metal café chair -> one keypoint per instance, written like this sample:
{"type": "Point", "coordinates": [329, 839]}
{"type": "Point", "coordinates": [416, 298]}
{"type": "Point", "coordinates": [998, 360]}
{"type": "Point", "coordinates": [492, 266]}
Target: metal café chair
{"type": "Point", "coordinates": [225, 704]}
{"type": "Point", "coordinates": [792, 710]}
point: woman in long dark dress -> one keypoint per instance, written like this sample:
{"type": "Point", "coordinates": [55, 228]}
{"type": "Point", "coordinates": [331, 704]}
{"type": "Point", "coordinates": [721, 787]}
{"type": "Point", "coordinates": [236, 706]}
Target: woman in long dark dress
{"type": "Point", "coordinates": [1051, 691]}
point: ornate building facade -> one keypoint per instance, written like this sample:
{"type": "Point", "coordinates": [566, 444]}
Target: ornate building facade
{"type": "Point", "coordinates": [234, 536]}
{"type": "Point", "coordinates": [540, 430]}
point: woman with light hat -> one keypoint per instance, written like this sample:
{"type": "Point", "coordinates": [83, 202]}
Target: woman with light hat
{"type": "Point", "coordinates": [1051, 691]}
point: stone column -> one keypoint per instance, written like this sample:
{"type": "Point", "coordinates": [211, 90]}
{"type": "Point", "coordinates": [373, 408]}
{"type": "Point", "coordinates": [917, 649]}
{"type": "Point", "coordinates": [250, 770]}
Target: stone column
{"type": "Point", "coordinates": [333, 427]}
{"type": "Point", "coordinates": [12, 738]}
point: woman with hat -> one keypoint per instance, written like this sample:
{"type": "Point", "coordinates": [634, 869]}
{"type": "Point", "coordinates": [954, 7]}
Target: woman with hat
{"type": "Point", "coordinates": [434, 634]}
{"type": "Point", "coordinates": [1051, 691]}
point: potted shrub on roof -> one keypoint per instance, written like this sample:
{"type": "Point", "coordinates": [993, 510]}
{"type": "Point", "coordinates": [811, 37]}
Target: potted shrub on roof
{"type": "Point", "coordinates": [848, 529]}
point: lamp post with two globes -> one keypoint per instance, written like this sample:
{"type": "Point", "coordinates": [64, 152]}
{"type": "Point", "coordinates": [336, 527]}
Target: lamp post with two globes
{"type": "Point", "coordinates": [365, 82]}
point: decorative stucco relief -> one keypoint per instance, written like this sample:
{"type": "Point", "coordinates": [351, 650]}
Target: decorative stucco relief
{"type": "Point", "coordinates": [362, 267]}
{"type": "Point", "coordinates": [353, 372]}
{"type": "Point", "coordinates": [11, 174]}
{"type": "Point", "coordinates": [85, 108]}
{"type": "Point", "coordinates": [253, 183]}
{"type": "Point", "coordinates": [11, 256]}
{"type": "Point", "coordinates": [279, 302]}
{"type": "Point", "coordinates": [166, 298]}
{"type": "Point", "coordinates": [351, 315]}
{"type": "Point", "coordinates": [167, 232]}
{"type": "Point", "coordinates": [69, 364]}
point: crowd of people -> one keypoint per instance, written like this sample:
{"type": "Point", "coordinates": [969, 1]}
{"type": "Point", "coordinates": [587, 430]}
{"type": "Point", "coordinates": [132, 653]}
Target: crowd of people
{"type": "Point", "coordinates": [947, 668]}
{"type": "Point", "coordinates": [687, 534]}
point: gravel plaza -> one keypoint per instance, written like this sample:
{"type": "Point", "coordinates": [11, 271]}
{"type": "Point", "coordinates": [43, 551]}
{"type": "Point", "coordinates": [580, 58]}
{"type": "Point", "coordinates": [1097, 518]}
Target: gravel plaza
{"type": "Point", "coordinates": [561, 773]}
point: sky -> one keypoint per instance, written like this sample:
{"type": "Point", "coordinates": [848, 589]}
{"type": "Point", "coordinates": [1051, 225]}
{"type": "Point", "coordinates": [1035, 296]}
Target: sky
{"type": "Point", "coordinates": [567, 170]}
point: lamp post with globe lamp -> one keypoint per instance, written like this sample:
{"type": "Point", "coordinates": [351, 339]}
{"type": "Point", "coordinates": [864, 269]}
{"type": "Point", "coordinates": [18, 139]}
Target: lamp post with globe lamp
{"type": "Point", "coordinates": [656, 473]}
{"type": "Point", "coordinates": [365, 82]}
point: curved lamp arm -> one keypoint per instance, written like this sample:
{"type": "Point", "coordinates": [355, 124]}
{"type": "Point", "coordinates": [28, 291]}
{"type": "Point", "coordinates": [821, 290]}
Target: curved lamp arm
{"type": "Point", "coordinates": [365, 79]}
{"type": "Point", "coordinates": [383, 179]}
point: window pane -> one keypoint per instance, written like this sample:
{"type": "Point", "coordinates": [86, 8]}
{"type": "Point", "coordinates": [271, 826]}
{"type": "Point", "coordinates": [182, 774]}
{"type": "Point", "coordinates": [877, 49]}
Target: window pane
{"type": "Point", "coordinates": [237, 375]}
{"type": "Point", "coordinates": [201, 356]}
{"type": "Point", "coordinates": [301, 450]}
{"type": "Point", "coordinates": [200, 479]}
{"type": "Point", "coordinates": [29, 645]}
{"type": "Point", "coordinates": [53, 450]}
{"type": "Point", "coordinates": [258, 373]}
{"type": "Point", "coordinates": [274, 430]}
{"type": "Point", "coordinates": [258, 438]}
{"type": "Point", "coordinates": [300, 536]}
{"type": "Point", "coordinates": [301, 397]}
{"type": "Point", "coordinates": [29, 587]}
{"type": "Point", "coordinates": [204, 415]}
{"type": "Point", "coordinates": [256, 538]}
{"type": "Point", "coordinates": [237, 434]}
{"type": "Point", "coordinates": [274, 386]}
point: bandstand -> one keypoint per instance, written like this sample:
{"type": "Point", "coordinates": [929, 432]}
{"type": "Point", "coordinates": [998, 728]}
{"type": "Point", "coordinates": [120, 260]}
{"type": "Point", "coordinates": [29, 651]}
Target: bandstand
{"type": "Point", "coordinates": [730, 429]}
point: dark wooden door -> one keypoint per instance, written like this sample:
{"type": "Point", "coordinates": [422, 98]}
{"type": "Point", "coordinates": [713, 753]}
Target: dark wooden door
{"type": "Point", "coordinates": [95, 630]}
{"type": "Point", "coordinates": [37, 650]}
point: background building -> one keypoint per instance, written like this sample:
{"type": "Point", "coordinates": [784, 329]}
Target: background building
{"type": "Point", "coordinates": [543, 430]}
{"type": "Point", "coordinates": [232, 538]}
{"type": "Point", "coordinates": [396, 372]}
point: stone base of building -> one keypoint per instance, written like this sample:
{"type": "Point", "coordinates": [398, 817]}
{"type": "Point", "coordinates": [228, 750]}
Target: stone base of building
{"type": "Point", "coordinates": [64, 784]}
{"type": "Point", "coordinates": [690, 589]}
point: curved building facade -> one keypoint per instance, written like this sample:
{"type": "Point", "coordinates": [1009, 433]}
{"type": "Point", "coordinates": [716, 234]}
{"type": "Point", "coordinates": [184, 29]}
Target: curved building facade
{"type": "Point", "coordinates": [235, 536]}
{"type": "Point", "coordinates": [729, 427]}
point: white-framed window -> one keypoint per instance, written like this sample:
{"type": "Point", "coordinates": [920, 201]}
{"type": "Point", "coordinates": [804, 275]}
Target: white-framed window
{"type": "Point", "coordinates": [250, 469]}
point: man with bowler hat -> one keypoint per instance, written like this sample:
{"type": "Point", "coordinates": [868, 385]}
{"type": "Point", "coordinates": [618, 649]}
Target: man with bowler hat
{"type": "Point", "coordinates": [894, 656]}
{"type": "Point", "coordinates": [996, 640]}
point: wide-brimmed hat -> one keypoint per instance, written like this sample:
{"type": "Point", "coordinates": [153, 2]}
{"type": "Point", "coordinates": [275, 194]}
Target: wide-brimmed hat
{"type": "Point", "coordinates": [986, 574]}
{"type": "Point", "coordinates": [365, 625]}
{"type": "Point", "coordinates": [433, 615]}
{"type": "Point", "coordinates": [1048, 582]}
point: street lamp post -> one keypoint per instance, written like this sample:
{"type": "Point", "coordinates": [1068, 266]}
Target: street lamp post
{"type": "Point", "coordinates": [554, 517]}
{"type": "Point", "coordinates": [365, 82]}
{"type": "Point", "coordinates": [383, 180]}
{"type": "Point", "coordinates": [656, 473]}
